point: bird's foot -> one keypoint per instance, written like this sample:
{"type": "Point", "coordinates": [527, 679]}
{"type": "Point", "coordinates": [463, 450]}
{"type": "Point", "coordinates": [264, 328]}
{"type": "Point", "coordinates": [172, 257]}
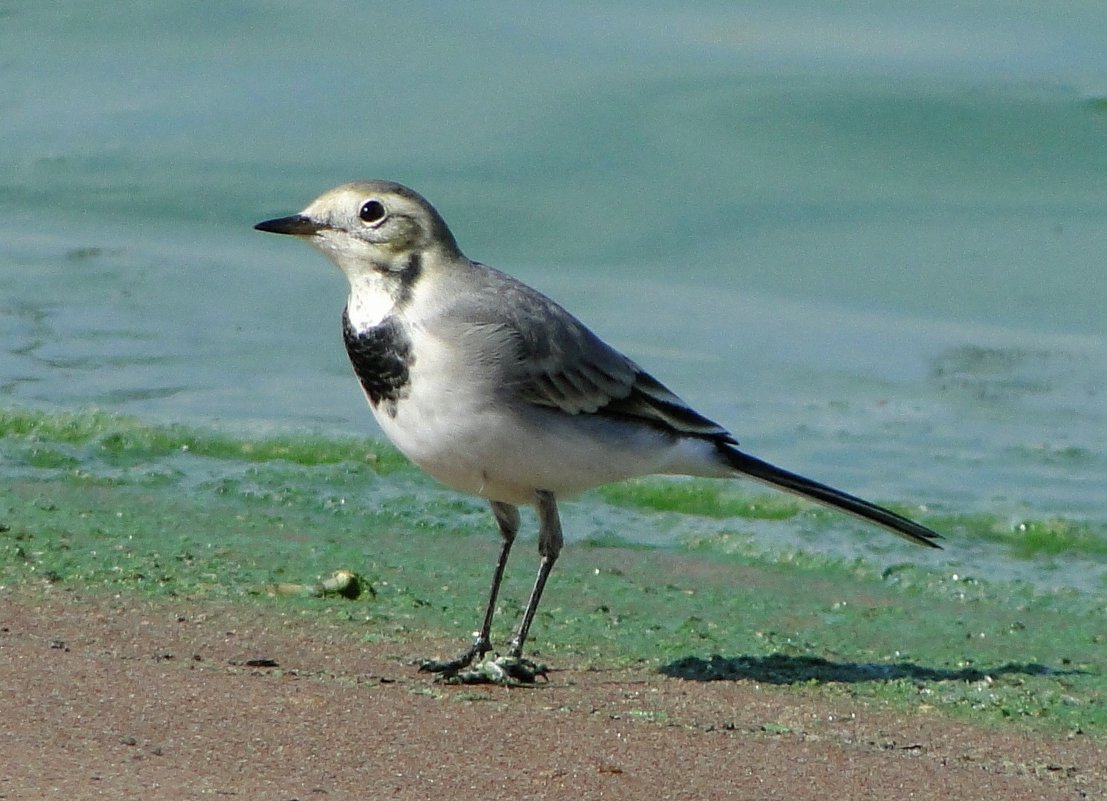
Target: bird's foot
{"type": "Point", "coordinates": [512, 671]}
{"type": "Point", "coordinates": [448, 667]}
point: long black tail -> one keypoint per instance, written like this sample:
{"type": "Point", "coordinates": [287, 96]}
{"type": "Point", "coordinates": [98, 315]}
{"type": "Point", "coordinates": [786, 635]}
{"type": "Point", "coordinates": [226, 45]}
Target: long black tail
{"type": "Point", "coordinates": [821, 493]}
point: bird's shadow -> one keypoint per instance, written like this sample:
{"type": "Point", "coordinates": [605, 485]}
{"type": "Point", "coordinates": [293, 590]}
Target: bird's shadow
{"type": "Point", "coordinates": [789, 669]}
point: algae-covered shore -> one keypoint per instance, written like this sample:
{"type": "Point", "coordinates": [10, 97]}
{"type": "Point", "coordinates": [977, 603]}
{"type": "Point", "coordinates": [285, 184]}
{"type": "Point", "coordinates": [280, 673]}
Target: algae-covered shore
{"type": "Point", "coordinates": [102, 504]}
{"type": "Point", "coordinates": [147, 647]}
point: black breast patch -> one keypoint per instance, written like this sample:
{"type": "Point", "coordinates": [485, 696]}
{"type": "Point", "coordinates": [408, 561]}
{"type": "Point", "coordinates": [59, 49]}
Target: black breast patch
{"type": "Point", "coordinates": [382, 358]}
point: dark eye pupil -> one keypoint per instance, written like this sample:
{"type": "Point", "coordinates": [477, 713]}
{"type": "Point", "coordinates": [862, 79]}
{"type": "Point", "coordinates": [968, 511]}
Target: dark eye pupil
{"type": "Point", "coordinates": [371, 211]}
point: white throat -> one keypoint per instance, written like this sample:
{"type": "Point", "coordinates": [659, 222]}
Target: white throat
{"type": "Point", "coordinates": [369, 302]}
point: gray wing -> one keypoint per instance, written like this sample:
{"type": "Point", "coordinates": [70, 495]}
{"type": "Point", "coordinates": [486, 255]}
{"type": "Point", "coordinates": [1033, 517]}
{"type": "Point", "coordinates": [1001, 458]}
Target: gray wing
{"type": "Point", "coordinates": [554, 361]}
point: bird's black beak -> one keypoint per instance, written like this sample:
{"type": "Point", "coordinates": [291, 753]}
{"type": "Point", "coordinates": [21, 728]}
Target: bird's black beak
{"type": "Point", "coordinates": [296, 225]}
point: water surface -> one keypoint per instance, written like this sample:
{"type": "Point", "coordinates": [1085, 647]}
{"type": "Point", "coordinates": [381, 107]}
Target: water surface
{"type": "Point", "coordinates": [867, 239]}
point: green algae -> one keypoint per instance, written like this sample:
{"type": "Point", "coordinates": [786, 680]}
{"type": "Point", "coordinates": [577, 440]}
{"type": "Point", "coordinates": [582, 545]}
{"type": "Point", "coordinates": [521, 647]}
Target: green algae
{"type": "Point", "coordinates": [1054, 537]}
{"type": "Point", "coordinates": [121, 436]}
{"type": "Point", "coordinates": [701, 497]}
{"type": "Point", "coordinates": [227, 516]}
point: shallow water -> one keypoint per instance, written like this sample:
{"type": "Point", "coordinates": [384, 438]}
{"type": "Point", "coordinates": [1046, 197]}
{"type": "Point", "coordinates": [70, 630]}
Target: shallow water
{"type": "Point", "coordinates": [868, 240]}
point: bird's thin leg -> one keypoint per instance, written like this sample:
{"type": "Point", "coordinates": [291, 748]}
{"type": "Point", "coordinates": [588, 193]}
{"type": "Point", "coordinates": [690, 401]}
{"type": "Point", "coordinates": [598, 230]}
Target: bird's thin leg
{"type": "Point", "coordinates": [507, 518]}
{"type": "Point", "coordinates": [549, 546]}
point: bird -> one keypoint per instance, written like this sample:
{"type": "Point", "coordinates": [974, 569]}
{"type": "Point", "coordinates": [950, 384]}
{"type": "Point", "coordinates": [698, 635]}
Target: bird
{"type": "Point", "coordinates": [497, 391]}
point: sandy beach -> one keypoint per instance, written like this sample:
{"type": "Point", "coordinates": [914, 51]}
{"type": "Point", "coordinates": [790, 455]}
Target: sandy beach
{"type": "Point", "coordinates": [112, 696]}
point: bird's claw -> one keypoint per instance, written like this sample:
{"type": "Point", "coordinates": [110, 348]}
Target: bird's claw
{"type": "Point", "coordinates": [505, 670]}
{"type": "Point", "coordinates": [445, 667]}
{"type": "Point", "coordinates": [448, 667]}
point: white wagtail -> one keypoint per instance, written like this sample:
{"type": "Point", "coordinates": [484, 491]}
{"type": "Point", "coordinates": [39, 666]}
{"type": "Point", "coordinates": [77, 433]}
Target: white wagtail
{"type": "Point", "coordinates": [495, 390]}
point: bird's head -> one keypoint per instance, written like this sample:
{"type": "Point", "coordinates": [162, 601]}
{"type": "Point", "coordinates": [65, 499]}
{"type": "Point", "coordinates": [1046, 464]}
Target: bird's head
{"type": "Point", "coordinates": [371, 226]}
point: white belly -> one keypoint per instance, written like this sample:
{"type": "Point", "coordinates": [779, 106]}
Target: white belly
{"type": "Point", "coordinates": [465, 436]}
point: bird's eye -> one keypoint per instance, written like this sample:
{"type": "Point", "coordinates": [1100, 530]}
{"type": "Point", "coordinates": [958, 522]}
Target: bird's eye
{"type": "Point", "coordinates": [372, 211]}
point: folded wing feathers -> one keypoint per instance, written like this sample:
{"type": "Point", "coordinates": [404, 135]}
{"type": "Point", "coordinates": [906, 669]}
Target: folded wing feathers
{"type": "Point", "coordinates": [588, 389]}
{"type": "Point", "coordinates": [583, 390]}
{"type": "Point", "coordinates": [652, 401]}
{"type": "Point", "coordinates": [560, 364]}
